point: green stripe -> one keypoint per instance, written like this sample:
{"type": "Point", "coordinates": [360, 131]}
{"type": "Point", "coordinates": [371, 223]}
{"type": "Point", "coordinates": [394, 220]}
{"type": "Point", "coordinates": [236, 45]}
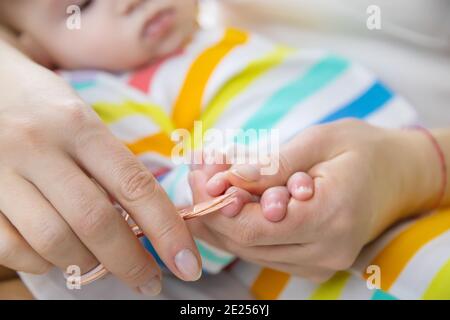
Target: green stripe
{"type": "Point", "coordinates": [212, 256]}
{"type": "Point", "coordinates": [236, 85]}
{"type": "Point", "coordinates": [281, 103]}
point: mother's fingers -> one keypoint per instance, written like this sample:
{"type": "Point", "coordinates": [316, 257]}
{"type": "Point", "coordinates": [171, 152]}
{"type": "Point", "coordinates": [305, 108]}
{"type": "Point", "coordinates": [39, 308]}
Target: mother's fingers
{"type": "Point", "coordinates": [300, 254]}
{"type": "Point", "coordinates": [16, 253]}
{"type": "Point", "coordinates": [95, 221]}
{"type": "Point", "coordinates": [124, 177]}
{"type": "Point", "coordinates": [300, 154]}
{"type": "Point", "coordinates": [41, 225]}
{"type": "Point", "coordinates": [251, 228]}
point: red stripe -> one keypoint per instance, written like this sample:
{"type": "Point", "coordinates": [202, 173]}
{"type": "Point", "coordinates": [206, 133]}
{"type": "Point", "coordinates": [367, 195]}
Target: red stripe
{"type": "Point", "coordinates": [143, 78]}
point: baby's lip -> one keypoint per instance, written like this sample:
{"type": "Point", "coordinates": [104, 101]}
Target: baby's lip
{"type": "Point", "coordinates": [159, 24]}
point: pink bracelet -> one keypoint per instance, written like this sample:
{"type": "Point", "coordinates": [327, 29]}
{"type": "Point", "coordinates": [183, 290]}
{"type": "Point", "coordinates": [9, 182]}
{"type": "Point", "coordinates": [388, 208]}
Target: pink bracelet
{"type": "Point", "coordinates": [441, 156]}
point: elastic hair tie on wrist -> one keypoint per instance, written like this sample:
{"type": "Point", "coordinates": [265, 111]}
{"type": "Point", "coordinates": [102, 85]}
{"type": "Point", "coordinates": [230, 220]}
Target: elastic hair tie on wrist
{"type": "Point", "coordinates": [441, 156]}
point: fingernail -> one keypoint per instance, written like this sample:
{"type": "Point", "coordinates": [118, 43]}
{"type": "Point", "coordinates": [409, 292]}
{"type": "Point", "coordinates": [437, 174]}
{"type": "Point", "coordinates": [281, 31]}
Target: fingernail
{"type": "Point", "coordinates": [303, 190]}
{"type": "Point", "coordinates": [151, 288]}
{"type": "Point", "coordinates": [271, 205]}
{"type": "Point", "coordinates": [246, 172]}
{"type": "Point", "coordinates": [188, 265]}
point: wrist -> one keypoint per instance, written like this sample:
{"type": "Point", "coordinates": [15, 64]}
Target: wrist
{"type": "Point", "coordinates": [442, 137]}
{"type": "Point", "coordinates": [422, 177]}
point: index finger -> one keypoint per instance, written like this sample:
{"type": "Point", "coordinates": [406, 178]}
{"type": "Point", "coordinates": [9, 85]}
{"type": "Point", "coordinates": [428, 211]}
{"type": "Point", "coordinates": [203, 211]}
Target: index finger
{"type": "Point", "coordinates": [137, 191]}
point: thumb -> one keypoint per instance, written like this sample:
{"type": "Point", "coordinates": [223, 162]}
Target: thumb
{"type": "Point", "coordinates": [301, 153]}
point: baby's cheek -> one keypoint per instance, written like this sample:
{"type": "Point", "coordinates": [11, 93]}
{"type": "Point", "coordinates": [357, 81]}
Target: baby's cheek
{"type": "Point", "coordinates": [274, 202]}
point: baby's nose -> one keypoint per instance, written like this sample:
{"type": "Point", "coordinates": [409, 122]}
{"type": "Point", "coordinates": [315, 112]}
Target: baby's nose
{"type": "Point", "coordinates": [126, 6]}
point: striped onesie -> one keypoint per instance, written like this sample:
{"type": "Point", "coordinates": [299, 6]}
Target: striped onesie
{"type": "Point", "coordinates": [230, 79]}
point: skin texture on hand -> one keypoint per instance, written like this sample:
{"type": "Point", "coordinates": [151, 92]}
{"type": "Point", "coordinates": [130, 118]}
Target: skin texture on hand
{"type": "Point", "coordinates": [53, 147]}
{"type": "Point", "coordinates": [365, 179]}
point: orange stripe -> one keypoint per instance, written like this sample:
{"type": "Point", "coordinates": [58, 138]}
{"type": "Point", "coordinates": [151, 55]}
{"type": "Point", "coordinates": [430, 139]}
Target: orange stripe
{"type": "Point", "coordinates": [395, 256]}
{"type": "Point", "coordinates": [159, 143]}
{"type": "Point", "coordinates": [269, 284]}
{"type": "Point", "coordinates": [188, 105]}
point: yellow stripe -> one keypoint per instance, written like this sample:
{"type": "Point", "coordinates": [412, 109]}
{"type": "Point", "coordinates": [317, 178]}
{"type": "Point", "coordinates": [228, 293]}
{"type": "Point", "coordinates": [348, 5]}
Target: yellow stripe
{"type": "Point", "coordinates": [159, 143]}
{"type": "Point", "coordinates": [240, 82]}
{"type": "Point", "coordinates": [332, 289]}
{"type": "Point", "coordinates": [269, 284]}
{"type": "Point", "coordinates": [110, 113]}
{"type": "Point", "coordinates": [439, 288]}
{"type": "Point", "coordinates": [188, 105]}
{"type": "Point", "coordinates": [395, 256]}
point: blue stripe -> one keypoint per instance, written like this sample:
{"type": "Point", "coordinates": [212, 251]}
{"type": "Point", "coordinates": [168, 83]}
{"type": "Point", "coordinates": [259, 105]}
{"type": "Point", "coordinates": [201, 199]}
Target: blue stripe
{"type": "Point", "coordinates": [317, 77]}
{"type": "Point", "coordinates": [370, 101]}
{"type": "Point", "coordinates": [148, 245]}
{"type": "Point", "coordinates": [382, 295]}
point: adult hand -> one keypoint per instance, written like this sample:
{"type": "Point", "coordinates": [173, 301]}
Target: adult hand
{"type": "Point", "coordinates": [365, 179]}
{"type": "Point", "coordinates": [52, 212]}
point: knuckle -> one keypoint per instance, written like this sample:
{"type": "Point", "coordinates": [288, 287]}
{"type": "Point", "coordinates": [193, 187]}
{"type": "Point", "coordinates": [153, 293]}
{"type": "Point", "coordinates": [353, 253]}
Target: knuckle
{"type": "Point", "coordinates": [136, 273]}
{"type": "Point", "coordinates": [137, 183]}
{"type": "Point", "coordinates": [94, 219]}
{"type": "Point", "coordinates": [167, 230]}
{"type": "Point", "coordinates": [39, 269]}
{"type": "Point", "coordinates": [50, 238]}
{"type": "Point", "coordinates": [74, 113]}
{"type": "Point", "coordinates": [247, 236]}
{"type": "Point", "coordinates": [285, 164]}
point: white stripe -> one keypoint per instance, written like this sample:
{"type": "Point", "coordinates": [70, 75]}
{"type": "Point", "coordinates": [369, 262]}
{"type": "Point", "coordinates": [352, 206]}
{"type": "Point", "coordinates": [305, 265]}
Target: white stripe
{"type": "Point", "coordinates": [246, 272]}
{"type": "Point", "coordinates": [298, 289]}
{"type": "Point", "coordinates": [420, 270]}
{"type": "Point", "coordinates": [132, 128]}
{"type": "Point", "coordinates": [154, 160]}
{"type": "Point", "coordinates": [340, 92]}
{"type": "Point", "coordinates": [235, 62]}
{"type": "Point", "coordinates": [247, 104]}
{"type": "Point", "coordinates": [170, 77]}
{"type": "Point", "coordinates": [356, 289]}
{"type": "Point", "coordinates": [396, 113]}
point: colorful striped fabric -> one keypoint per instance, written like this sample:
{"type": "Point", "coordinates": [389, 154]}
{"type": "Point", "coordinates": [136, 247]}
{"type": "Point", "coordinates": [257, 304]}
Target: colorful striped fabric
{"type": "Point", "coordinates": [230, 79]}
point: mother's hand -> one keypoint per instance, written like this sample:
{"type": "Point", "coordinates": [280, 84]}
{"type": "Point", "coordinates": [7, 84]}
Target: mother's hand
{"type": "Point", "coordinates": [365, 179]}
{"type": "Point", "coordinates": [52, 212]}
